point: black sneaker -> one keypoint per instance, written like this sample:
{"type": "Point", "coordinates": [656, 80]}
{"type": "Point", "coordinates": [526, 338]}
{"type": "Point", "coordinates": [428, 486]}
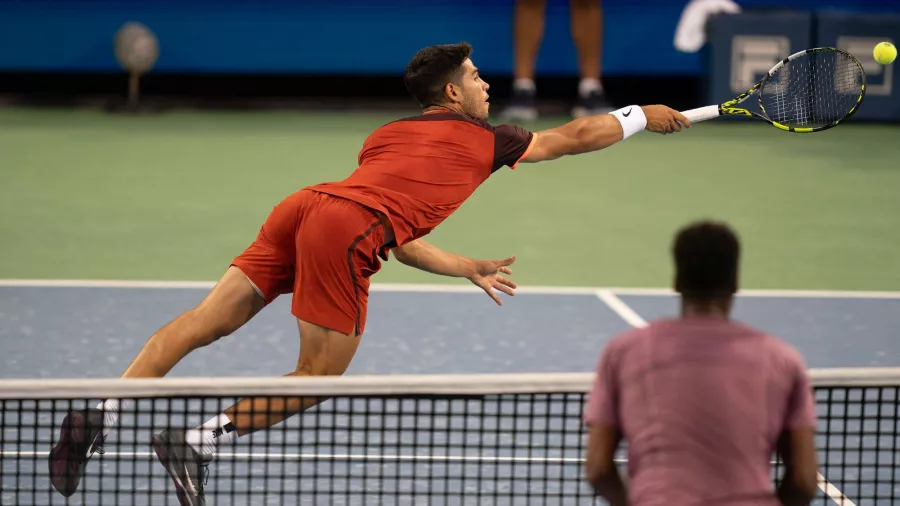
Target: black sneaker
{"type": "Point", "coordinates": [80, 437]}
{"type": "Point", "coordinates": [521, 106]}
{"type": "Point", "coordinates": [184, 466]}
{"type": "Point", "coordinates": [591, 105]}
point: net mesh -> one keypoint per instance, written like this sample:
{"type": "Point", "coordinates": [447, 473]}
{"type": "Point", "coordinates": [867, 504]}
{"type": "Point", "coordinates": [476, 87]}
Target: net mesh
{"type": "Point", "coordinates": [813, 90]}
{"type": "Point", "coordinates": [435, 440]}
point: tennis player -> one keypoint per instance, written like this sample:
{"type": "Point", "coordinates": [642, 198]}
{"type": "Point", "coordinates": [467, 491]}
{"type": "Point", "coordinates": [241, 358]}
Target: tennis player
{"type": "Point", "coordinates": [323, 243]}
{"type": "Point", "coordinates": [702, 400]}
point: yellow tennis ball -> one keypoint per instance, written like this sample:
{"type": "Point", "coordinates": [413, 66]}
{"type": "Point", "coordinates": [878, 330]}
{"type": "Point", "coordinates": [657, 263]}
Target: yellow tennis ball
{"type": "Point", "coordinates": [885, 52]}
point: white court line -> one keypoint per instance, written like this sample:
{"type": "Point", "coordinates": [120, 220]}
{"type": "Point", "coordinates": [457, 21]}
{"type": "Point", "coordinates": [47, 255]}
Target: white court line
{"type": "Point", "coordinates": [621, 309]}
{"type": "Point", "coordinates": [330, 456]}
{"type": "Point", "coordinates": [635, 320]}
{"type": "Point", "coordinates": [454, 288]}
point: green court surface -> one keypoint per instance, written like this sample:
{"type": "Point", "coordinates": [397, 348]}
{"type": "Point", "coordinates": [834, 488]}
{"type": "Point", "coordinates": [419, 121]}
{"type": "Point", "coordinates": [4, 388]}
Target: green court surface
{"type": "Point", "coordinates": [175, 196]}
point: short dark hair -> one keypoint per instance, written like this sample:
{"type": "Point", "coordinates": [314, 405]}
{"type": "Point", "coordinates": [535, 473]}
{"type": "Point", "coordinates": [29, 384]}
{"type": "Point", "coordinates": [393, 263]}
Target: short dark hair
{"type": "Point", "coordinates": [432, 68]}
{"type": "Point", "coordinates": [706, 260]}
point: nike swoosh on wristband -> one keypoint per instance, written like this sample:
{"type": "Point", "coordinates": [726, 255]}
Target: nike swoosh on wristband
{"type": "Point", "coordinates": [626, 113]}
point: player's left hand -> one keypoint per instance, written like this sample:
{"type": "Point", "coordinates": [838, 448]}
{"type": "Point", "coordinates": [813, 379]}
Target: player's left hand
{"type": "Point", "coordinates": [488, 276]}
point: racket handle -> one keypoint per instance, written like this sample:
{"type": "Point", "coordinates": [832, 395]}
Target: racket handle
{"type": "Point", "coordinates": [702, 113]}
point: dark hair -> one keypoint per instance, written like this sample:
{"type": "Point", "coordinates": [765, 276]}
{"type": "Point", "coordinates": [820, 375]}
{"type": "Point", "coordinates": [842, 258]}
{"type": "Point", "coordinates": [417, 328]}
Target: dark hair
{"type": "Point", "coordinates": [706, 260]}
{"type": "Point", "coordinates": [432, 68]}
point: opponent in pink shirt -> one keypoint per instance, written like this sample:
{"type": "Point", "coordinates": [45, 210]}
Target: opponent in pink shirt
{"type": "Point", "coordinates": [702, 401]}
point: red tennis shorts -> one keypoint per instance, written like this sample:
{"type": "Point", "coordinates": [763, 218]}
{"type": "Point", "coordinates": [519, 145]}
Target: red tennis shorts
{"type": "Point", "coordinates": [323, 249]}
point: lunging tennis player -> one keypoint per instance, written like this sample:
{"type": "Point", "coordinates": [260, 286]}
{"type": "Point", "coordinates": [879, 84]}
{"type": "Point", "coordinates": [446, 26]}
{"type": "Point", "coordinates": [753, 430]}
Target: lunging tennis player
{"type": "Point", "coordinates": [324, 242]}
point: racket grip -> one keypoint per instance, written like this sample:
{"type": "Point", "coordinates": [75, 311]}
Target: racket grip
{"type": "Point", "coordinates": [702, 113]}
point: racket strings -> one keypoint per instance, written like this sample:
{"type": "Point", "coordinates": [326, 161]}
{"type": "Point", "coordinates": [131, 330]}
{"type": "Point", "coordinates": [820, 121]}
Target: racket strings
{"type": "Point", "coordinates": [815, 90]}
{"type": "Point", "coordinates": [779, 97]}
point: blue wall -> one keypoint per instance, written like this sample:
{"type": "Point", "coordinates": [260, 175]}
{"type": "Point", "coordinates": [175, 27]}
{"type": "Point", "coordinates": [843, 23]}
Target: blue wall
{"type": "Point", "coordinates": [341, 36]}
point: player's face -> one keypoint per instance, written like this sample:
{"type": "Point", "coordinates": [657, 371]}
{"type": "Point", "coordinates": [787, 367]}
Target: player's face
{"type": "Point", "coordinates": [474, 96]}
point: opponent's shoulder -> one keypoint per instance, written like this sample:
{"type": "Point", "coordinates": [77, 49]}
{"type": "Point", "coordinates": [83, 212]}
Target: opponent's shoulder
{"type": "Point", "coordinates": [779, 351]}
{"type": "Point", "coordinates": [766, 339]}
{"type": "Point", "coordinates": [642, 338]}
{"type": "Point", "coordinates": [625, 341]}
{"type": "Point", "coordinates": [783, 351]}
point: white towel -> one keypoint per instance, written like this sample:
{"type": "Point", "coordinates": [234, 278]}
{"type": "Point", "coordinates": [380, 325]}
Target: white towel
{"type": "Point", "coordinates": [690, 35]}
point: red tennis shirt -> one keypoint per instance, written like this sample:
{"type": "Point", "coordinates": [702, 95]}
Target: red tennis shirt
{"type": "Point", "coordinates": [417, 171]}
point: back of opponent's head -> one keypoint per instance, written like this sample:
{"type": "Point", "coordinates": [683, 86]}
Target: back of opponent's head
{"type": "Point", "coordinates": [706, 254]}
{"type": "Point", "coordinates": [432, 68]}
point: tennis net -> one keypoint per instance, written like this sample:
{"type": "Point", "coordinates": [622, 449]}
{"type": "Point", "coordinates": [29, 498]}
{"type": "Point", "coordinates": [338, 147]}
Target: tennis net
{"type": "Point", "coordinates": [426, 439]}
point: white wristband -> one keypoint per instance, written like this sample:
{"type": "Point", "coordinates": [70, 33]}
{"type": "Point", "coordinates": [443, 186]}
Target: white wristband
{"type": "Point", "coordinates": [632, 119]}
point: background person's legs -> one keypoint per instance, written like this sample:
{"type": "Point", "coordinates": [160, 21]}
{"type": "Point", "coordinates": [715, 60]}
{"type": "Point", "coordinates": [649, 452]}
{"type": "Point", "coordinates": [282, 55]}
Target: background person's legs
{"type": "Point", "coordinates": [528, 32]}
{"type": "Point", "coordinates": [586, 22]}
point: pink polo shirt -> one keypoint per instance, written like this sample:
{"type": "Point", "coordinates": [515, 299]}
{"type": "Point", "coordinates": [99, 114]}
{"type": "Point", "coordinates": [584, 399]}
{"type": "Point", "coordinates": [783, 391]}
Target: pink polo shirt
{"type": "Point", "coordinates": [701, 403]}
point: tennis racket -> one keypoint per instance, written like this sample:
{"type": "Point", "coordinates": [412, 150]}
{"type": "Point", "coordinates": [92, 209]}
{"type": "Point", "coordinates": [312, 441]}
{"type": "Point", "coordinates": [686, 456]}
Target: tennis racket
{"type": "Point", "coordinates": [809, 91]}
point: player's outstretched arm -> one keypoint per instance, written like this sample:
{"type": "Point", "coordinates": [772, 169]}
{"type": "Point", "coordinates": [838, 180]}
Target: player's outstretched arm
{"type": "Point", "coordinates": [486, 274]}
{"type": "Point", "coordinates": [593, 133]}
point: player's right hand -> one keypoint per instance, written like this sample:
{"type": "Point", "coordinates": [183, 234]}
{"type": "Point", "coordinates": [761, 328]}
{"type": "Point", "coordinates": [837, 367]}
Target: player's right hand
{"type": "Point", "coordinates": [487, 276]}
{"type": "Point", "coordinates": [664, 120]}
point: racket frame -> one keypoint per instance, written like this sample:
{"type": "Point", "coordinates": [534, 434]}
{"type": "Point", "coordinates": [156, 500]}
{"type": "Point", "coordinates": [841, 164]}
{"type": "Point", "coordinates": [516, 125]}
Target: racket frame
{"type": "Point", "coordinates": [728, 108]}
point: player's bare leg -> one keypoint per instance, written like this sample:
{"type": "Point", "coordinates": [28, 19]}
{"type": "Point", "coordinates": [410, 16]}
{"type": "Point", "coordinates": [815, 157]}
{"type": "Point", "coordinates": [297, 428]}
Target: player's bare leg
{"type": "Point", "coordinates": [230, 304]}
{"type": "Point", "coordinates": [323, 352]}
{"type": "Point", "coordinates": [528, 33]}
{"type": "Point", "coordinates": [587, 32]}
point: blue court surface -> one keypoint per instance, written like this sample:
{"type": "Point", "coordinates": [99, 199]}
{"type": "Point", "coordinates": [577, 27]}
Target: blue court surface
{"type": "Point", "coordinates": [85, 331]}
{"type": "Point", "coordinates": [94, 329]}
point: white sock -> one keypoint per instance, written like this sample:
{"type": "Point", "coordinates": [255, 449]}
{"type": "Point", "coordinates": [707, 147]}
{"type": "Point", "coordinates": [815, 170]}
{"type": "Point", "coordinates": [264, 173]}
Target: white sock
{"type": "Point", "coordinates": [207, 437]}
{"type": "Point", "coordinates": [111, 409]}
{"type": "Point", "coordinates": [588, 85]}
{"type": "Point", "coordinates": [524, 84]}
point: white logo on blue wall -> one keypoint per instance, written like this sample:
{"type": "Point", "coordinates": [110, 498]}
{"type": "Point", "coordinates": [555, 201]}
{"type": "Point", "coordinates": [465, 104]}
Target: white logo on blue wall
{"type": "Point", "coordinates": [752, 56]}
